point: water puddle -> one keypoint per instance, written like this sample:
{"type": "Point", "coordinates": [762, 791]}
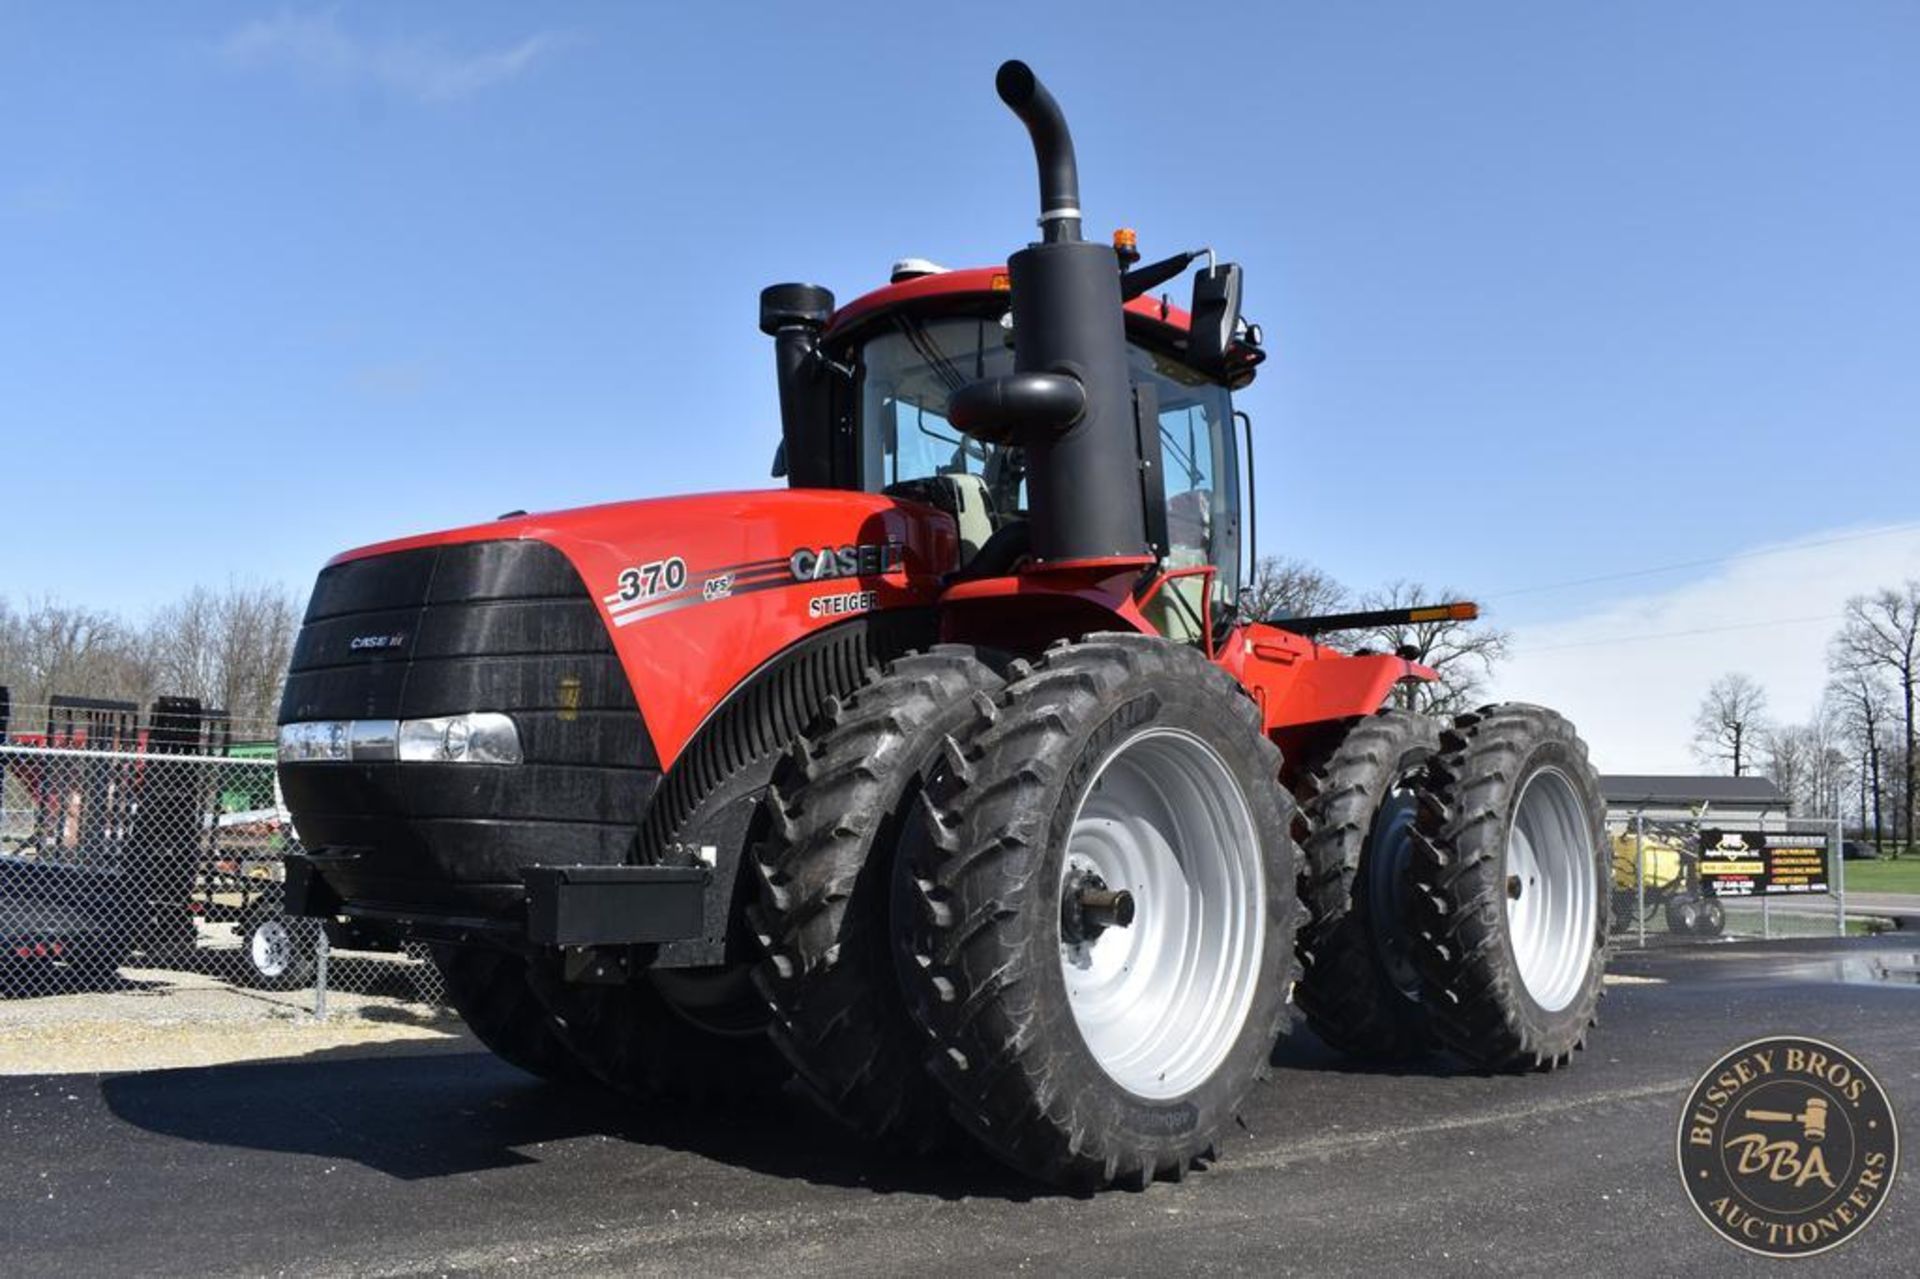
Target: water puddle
{"type": "Point", "coordinates": [1891, 968]}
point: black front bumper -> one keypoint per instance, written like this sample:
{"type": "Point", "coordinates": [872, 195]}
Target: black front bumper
{"type": "Point", "coordinates": [488, 626]}
{"type": "Point", "coordinates": [562, 906]}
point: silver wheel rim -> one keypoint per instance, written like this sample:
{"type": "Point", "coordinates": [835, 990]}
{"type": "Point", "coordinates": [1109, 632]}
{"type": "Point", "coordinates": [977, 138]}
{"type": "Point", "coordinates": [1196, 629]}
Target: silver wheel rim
{"type": "Point", "coordinates": [1552, 895]}
{"type": "Point", "coordinates": [271, 947]}
{"type": "Point", "coordinates": [1160, 1002]}
{"type": "Point", "coordinates": [1387, 889]}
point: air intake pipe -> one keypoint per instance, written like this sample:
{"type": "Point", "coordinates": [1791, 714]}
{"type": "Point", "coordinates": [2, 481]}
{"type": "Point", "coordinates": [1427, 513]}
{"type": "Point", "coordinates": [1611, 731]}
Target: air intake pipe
{"type": "Point", "coordinates": [794, 315]}
{"type": "Point", "coordinates": [1070, 401]}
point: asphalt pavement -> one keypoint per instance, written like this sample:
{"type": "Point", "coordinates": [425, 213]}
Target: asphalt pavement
{"type": "Point", "coordinates": [432, 1161]}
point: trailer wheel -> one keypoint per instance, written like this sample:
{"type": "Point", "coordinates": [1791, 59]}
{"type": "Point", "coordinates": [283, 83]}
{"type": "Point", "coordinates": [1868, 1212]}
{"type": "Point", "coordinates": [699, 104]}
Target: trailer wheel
{"type": "Point", "coordinates": [1511, 908]}
{"type": "Point", "coordinates": [841, 803]}
{"type": "Point", "coordinates": [1683, 915]}
{"type": "Point", "coordinates": [278, 951]}
{"type": "Point", "coordinates": [491, 991]}
{"type": "Point", "coordinates": [1104, 943]}
{"type": "Point", "coordinates": [1359, 988]}
{"type": "Point", "coordinates": [1712, 919]}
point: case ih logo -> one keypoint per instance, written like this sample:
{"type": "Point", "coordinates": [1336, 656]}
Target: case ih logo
{"type": "Point", "coordinates": [365, 643]}
{"type": "Point", "coordinates": [864, 560]}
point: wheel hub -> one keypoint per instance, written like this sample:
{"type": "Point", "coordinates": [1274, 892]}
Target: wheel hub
{"type": "Point", "coordinates": [1088, 907]}
{"type": "Point", "coordinates": [271, 948]}
{"type": "Point", "coordinates": [1552, 890]}
{"type": "Point", "coordinates": [1162, 913]}
{"type": "Point", "coordinates": [1388, 851]}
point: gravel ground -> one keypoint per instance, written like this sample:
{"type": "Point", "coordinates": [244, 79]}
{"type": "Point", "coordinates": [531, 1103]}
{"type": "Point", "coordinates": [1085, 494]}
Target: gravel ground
{"type": "Point", "coordinates": [155, 1019]}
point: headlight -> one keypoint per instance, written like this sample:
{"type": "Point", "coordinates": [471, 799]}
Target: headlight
{"type": "Point", "coordinates": [480, 737]}
{"type": "Point", "coordinates": [325, 740]}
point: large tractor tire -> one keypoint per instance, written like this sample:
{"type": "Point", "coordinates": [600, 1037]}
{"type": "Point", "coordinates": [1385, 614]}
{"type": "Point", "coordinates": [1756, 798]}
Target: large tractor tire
{"type": "Point", "coordinates": [1103, 943]}
{"type": "Point", "coordinates": [842, 802]}
{"type": "Point", "coordinates": [492, 992]}
{"type": "Point", "coordinates": [1511, 905]}
{"type": "Point", "coordinates": [706, 1046]}
{"type": "Point", "coordinates": [1359, 988]}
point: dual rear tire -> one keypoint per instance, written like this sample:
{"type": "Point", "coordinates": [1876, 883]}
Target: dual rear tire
{"type": "Point", "coordinates": [1080, 1041]}
{"type": "Point", "coordinates": [1358, 796]}
{"type": "Point", "coordinates": [846, 811]}
{"type": "Point", "coordinates": [1458, 880]}
{"type": "Point", "coordinates": [1052, 908]}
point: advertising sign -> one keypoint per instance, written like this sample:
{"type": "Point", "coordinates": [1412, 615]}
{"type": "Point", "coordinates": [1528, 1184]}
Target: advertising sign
{"type": "Point", "coordinates": [1754, 863]}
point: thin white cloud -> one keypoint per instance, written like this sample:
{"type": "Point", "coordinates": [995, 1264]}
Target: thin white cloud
{"type": "Point", "coordinates": [314, 47]}
{"type": "Point", "coordinates": [40, 198]}
{"type": "Point", "coordinates": [1631, 674]}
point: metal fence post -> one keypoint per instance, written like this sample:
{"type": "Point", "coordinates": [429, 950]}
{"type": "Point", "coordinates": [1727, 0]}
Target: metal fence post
{"type": "Point", "coordinates": [1839, 872]}
{"type": "Point", "coordinates": [320, 952]}
{"type": "Point", "coordinates": [1640, 879]}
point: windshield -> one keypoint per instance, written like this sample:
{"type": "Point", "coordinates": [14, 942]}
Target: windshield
{"type": "Point", "coordinates": [909, 370]}
{"type": "Point", "coordinates": [908, 373]}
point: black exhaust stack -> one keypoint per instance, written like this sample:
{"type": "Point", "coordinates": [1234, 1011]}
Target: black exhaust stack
{"type": "Point", "coordinates": [1052, 149]}
{"type": "Point", "coordinates": [1070, 403]}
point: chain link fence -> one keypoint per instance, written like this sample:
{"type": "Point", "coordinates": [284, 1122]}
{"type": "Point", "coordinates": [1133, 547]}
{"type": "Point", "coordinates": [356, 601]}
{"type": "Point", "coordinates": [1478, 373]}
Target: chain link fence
{"type": "Point", "coordinates": [134, 847]}
{"type": "Point", "coordinates": [1706, 879]}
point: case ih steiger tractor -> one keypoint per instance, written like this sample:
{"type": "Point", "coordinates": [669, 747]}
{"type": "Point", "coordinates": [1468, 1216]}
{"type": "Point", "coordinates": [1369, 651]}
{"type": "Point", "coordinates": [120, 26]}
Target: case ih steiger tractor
{"type": "Point", "coordinates": [951, 781]}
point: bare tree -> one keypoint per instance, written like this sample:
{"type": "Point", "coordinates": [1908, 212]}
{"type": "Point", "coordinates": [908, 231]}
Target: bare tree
{"type": "Point", "coordinates": [1787, 760]}
{"type": "Point", "coordinates": [1882, 633]}
{"type": "Point", "coordinates": [1463, 654]}
{"type": "Point", "coordinates": [1282, 588]}
{"type": "Point", "coordinates": [1806, 763]}
{"type": "Point", "coordinates": [183, 640]}
{"type": "Point", "coordinates": [1863, 708]}
{"type": "Point", "coordinates": [1831, 765]}
{"type": "Point", "coordinates": [50, 647]}
{"type": "Point", "coordinates": [228, 648]}
{"type": "Point", "coordinates": [1731, 721]}
{"type": "Point", "coordinates": [257, 626]}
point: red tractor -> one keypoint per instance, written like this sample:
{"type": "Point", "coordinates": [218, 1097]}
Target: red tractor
{"type": "Point", "coordinates": [952, 780]}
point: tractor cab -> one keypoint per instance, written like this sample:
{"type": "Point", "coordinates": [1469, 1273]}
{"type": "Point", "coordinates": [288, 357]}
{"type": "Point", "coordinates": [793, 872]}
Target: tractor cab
{"type": "Point", "coordinates": [892, 360]}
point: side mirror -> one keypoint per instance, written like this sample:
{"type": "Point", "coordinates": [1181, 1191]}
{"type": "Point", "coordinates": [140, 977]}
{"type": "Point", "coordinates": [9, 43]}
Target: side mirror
{"type": "Point", "coordinates": [1216, 314]}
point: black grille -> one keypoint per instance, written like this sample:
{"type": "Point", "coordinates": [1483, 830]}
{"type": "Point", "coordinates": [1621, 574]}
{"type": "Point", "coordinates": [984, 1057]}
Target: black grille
{"type": "Point", "coordinates": [485, 626]}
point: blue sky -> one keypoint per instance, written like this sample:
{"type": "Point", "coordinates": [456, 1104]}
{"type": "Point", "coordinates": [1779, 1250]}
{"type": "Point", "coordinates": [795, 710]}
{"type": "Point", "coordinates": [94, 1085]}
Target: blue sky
{"type": "Point", "coordinates": [1553, 291]}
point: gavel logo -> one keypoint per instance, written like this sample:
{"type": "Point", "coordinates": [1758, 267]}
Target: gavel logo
{"type": "Point", "coordinates": [1784, 1160]}
{"type": "Point", "coordinates": [1812, 1120]}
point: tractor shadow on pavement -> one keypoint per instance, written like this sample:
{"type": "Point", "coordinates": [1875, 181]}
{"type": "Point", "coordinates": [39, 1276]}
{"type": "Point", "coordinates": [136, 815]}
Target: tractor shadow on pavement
{"type": "Point", "coordinates": [1303, 1050]}
{"type": "Point", "coordinates": [416, 1116]}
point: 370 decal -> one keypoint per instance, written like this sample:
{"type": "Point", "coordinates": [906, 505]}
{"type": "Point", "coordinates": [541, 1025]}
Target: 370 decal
{"type": "Point", "coordinates": [665, 585]}
{"type": "Point", "coordinates": [644, 581]}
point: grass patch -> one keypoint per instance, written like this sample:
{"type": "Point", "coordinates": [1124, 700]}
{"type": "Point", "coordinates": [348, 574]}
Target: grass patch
{"type": "Point", "coordinates": [1884, 876]}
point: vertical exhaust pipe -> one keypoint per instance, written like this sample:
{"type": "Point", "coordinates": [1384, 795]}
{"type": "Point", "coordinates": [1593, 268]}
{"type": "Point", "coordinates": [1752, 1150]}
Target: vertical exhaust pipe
{"type": "Point", "coordinates": [1022, 91]}
{"type": "Point", "coordinates": [1069, 404]}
